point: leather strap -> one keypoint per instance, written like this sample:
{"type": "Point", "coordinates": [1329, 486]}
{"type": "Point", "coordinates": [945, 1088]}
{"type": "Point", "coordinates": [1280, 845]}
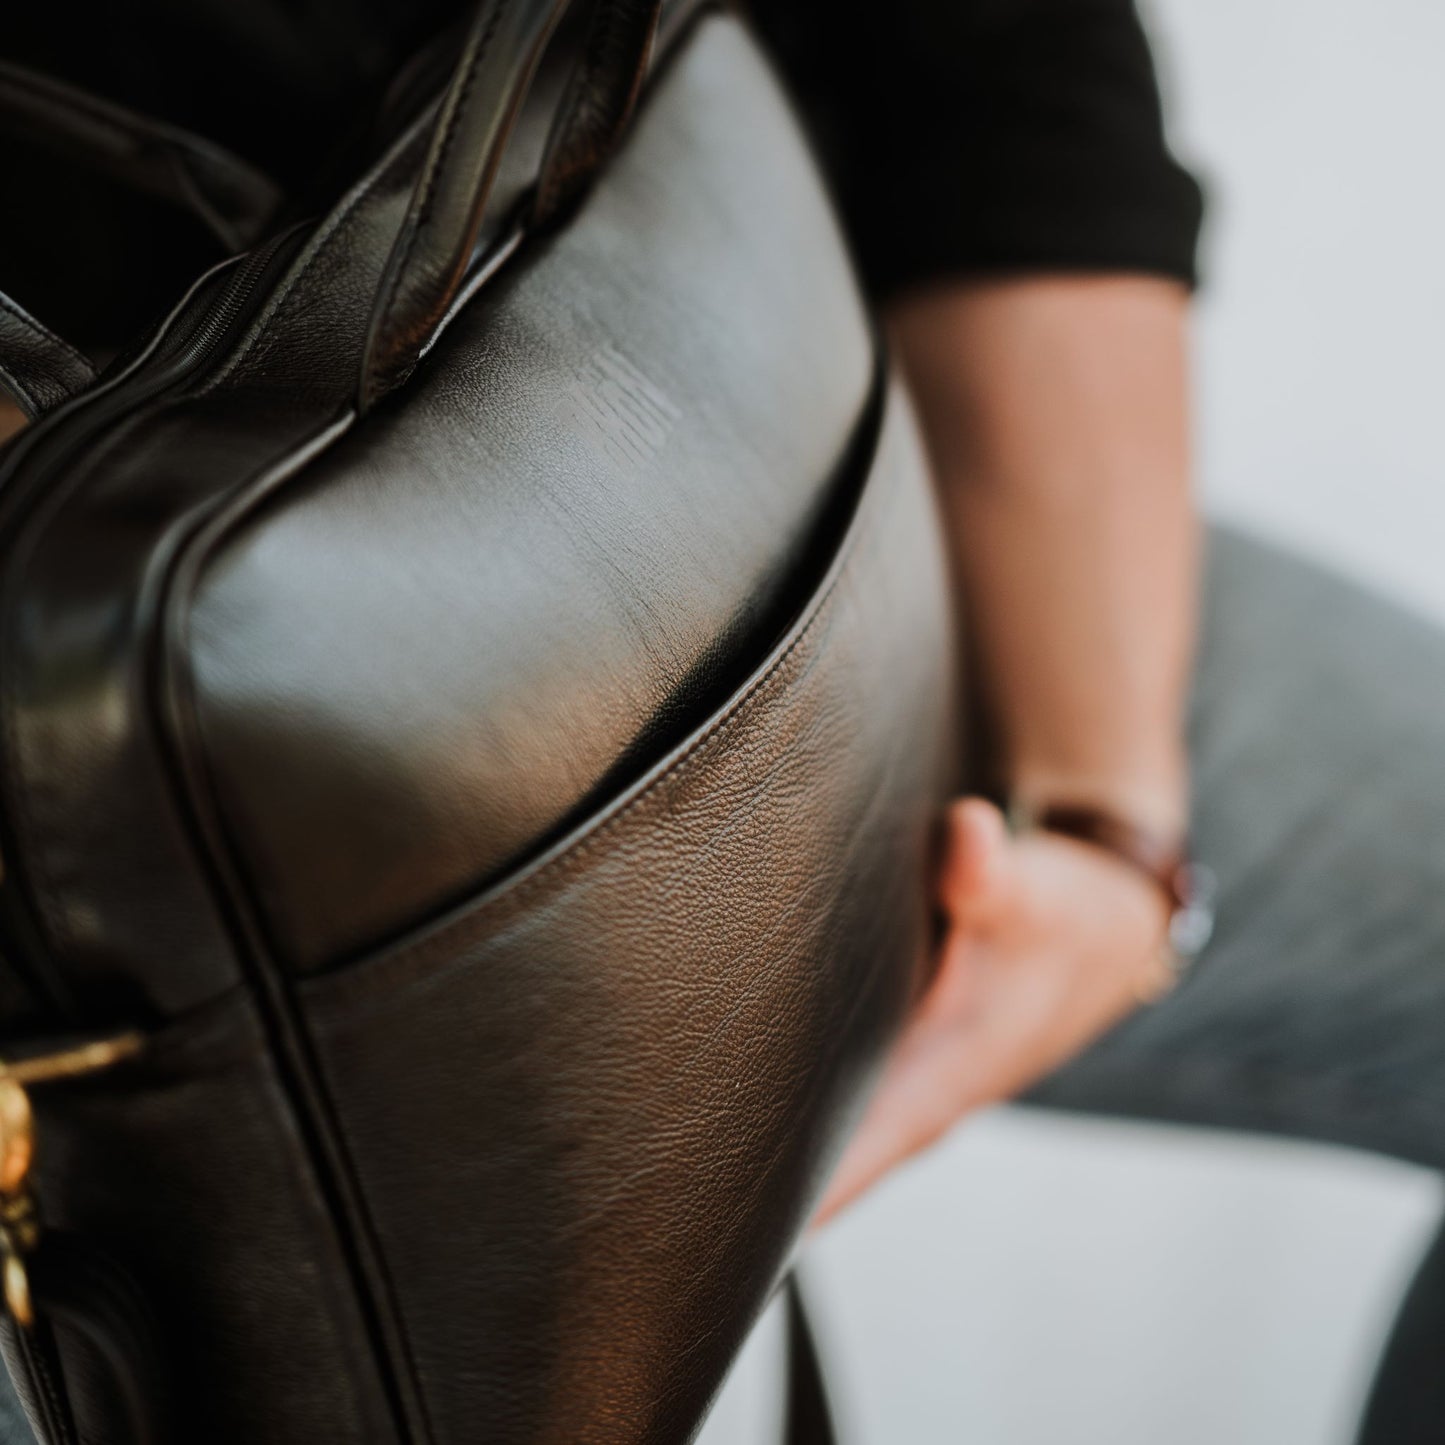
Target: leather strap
{"type": "Point", "coordinates": [438, 237]}
{"type": "Point", "coordinates": [38, 370]}
{"type": "Point", "coordinates": [227, 194]}
{"type": "Point", "coordinates": [601, 96]}
{"type": "Point", "coordinates": [808, 1419]}
{"type": "Point", "coordinates": [1160, 857]}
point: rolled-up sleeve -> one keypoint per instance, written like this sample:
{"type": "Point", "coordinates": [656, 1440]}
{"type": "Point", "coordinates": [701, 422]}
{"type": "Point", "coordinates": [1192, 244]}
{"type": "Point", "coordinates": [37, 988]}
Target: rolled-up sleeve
{"type": "Point", "coordinates": [989, 136]}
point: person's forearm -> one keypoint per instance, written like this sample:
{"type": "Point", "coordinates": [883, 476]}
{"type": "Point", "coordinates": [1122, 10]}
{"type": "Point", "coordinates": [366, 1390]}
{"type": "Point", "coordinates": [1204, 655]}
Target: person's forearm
{"type": "Point", "coordinates": [1056, 412]}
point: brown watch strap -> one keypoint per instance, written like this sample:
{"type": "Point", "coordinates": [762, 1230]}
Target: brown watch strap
{"type": "Point", "coordinates": [1160, 857]}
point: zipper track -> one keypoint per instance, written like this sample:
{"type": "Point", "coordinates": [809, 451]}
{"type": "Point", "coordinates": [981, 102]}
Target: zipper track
{"type": "Point", "coordinates": [181, 344]}
{"type": "Point", "coordinates": [175, 356]}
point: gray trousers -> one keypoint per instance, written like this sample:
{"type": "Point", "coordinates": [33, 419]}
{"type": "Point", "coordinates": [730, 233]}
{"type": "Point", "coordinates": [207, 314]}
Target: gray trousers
{"type": "Point", "coordinates": [1318, 736]}
{"type": "Point", "coordinates": [1318, 1010]}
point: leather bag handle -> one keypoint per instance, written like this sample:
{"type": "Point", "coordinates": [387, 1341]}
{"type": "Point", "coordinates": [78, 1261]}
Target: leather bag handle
{"type": "Point", "coordinates": [228, 195]}
{"type": "Point", "coordinates": [435, 245]}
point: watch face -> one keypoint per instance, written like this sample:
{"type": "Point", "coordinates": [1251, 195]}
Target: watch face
{"type": "Point", "coordinates": [1192, 925]}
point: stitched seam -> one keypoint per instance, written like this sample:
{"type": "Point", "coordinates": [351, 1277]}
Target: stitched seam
{"type": "Point", "coordinates": [370, 1278]}
{"type": "Point", "coordinates": [259, 327]}
{"type": "Point", "coordinates": [429, 183]}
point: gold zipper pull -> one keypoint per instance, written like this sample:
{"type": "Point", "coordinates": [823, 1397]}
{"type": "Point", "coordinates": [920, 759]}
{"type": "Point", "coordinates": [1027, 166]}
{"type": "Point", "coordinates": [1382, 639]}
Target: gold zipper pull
{"type": "Point", "coordinates": [19, 1222]}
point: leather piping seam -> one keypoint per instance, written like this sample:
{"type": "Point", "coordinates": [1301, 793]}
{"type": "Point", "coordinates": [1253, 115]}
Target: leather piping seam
{"type": "Point", "coordinates": [293, 1081]}
{"type": "Point", "coordinates": [304, 1083]}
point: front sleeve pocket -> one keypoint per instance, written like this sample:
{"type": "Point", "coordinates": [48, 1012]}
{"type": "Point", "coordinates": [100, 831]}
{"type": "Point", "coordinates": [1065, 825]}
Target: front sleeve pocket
{"type": "Point", "coordinates": [589, 1109]}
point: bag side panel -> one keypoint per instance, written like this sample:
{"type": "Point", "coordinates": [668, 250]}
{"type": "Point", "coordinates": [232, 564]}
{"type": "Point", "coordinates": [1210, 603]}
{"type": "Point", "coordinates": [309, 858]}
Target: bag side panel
{"type": "Point", "coordinates": [181, 1173]}
{"type": "Point", "coordinates": [525, 576]}
{"type": "Point", "coordinates": [627, 1070]}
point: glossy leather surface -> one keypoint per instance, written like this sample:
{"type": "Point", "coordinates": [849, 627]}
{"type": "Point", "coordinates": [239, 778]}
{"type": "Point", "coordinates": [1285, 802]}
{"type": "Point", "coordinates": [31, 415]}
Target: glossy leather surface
{"type": "Point", "coordinates": [510, 808]}
{"type": "Point", "coordinates": [558, 549]}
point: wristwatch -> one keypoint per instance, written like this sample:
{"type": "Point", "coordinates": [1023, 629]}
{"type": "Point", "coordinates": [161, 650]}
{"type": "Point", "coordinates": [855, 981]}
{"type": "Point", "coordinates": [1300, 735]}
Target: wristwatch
{"type": "Point", "coordinates": [1188, 886]}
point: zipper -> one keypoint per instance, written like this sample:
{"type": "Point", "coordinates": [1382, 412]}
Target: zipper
{"type": "Point", "coordinates": [181, 344]}
{"type": "Point", "coordinates": [172, 363]}
{"type": "Point", "coordinates": [20, 1227]}
{"type": "Point", "coordinates": [176, 354]}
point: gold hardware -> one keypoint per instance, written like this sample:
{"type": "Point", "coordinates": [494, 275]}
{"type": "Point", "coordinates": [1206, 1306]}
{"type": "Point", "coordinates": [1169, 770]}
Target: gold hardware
{"type": "Point", "coordinates": [19, 1223]}
{"type": "Point", "coordinates": [88, 1058]}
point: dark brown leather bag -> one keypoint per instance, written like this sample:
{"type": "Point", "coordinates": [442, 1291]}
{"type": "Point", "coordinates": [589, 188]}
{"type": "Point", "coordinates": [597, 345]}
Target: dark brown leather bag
{"type": "Point", "coordinates": [476, 686]}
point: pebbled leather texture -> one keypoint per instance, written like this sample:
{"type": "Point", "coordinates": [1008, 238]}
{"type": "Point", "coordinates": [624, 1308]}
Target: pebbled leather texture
{"type": "Point", "coordinates": [508, 809]}
{"type": "Point", "coordinates": [750, 923]}
{"type": "Point", "coordinates": [38, 370]}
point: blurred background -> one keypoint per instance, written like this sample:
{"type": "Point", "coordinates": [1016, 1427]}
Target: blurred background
{"type": "Point", "coordinates": [1049, 1281]}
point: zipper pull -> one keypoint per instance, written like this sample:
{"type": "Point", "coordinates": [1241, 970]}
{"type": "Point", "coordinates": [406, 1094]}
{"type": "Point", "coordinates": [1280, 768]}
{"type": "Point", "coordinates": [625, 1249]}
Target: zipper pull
{"type": "Point", "coordinates": [19, 1220]}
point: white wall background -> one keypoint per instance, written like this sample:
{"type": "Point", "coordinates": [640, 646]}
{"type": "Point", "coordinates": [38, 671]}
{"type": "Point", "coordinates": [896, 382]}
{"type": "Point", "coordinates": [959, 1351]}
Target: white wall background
{"type": "Point", "coordinates": [1042, 1281]}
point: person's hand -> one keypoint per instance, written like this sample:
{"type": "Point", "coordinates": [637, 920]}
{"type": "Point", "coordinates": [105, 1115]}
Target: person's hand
{"type": "Point", "coordinates": [1049, 942]}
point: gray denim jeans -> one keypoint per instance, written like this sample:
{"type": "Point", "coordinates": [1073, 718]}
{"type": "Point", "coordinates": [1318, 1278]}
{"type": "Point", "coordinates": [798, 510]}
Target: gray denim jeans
{"type": "Point", "coordinates": [1318, 1010]}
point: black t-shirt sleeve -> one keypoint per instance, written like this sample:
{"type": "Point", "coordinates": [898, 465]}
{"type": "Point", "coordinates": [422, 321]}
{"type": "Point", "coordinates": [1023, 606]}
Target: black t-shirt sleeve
{"type": "Point", "coordinates": [976, 136]}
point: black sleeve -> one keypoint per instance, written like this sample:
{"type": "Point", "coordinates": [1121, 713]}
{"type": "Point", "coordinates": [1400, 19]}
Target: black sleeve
{"type": "Point", "coordinates": [969, 136]}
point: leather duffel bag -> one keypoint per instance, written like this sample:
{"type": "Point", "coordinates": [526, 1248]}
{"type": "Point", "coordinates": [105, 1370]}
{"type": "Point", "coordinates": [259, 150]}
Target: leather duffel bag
{"type": "Point", "coordinates": [477, 687]}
